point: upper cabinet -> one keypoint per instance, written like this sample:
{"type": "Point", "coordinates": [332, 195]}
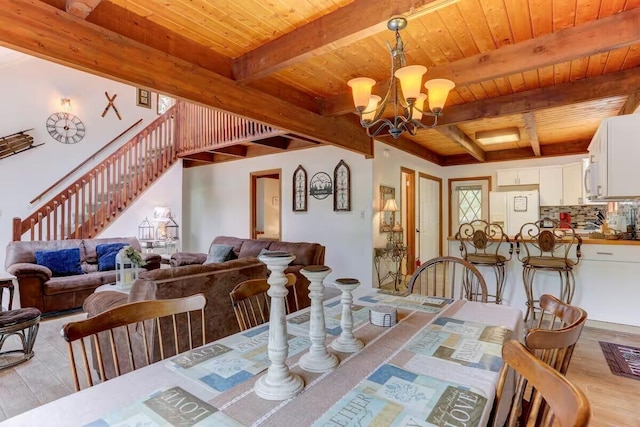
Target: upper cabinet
{"type": "Point", "coordinates": [561, 185]}
{"type": "Point", "coordinates": [613, 172]}
{"type": "Point", "coordinates": [526, 176]}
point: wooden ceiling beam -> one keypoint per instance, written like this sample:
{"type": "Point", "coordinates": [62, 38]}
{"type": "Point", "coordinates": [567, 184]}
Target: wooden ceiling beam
{"type": "Point", "coordinates": [279, 142]}
{"type": "Point", "coordinates": [346, 25]}
{"type": "Point", "coordinates": [550, 150]}
{"type": "Point", "coordinates": [581, 41]}
{"type": "Point", "coordinates": [606, 86]}
{"type": "Point", "coordinates": [203, 157]}
{"type": "Point", "coordinates": [532, 132]}
{"type": "Point", "coordinates": [39, 29]}
{"type": "Point", "coordinates": [126, 23]}
{"type": "Point", "coordinates": [413, 148]}
{"type": "Point", "coordinates": [232, 150]}
{"type": "Point", "coordinates": [455, 134]}
{"type": "Point", "coordinates": [81, 8]}
{"type": "Point", "coordinates": [631, 105]}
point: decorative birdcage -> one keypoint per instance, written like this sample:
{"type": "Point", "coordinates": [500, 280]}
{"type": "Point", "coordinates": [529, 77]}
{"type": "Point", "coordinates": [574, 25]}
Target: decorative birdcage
{"type": "Point", "coordinates": [172, 229]}
{"type": "Point", "coordinates": [145, 230]}
{"type": "Point", "coordinates": [126, 269]}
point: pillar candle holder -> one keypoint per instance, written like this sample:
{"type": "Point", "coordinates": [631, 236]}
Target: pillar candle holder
{"type": "Point", "coordinates": [317, 359]}
{"type": "Point", "coordinates": [278, 383]}
{"type": "Point", "coordinates": [347, 342]}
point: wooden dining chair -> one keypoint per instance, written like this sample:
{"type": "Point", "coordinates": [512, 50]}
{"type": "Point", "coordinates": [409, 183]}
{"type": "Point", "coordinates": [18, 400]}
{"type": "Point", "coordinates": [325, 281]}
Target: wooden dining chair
{"type": "Point", "coordinates": [567, 405]}
{"type": "Point", "coordinates": [449, 277]}
{"type": "Point", "coordinates": [109, 335]}
{"type": "Point", "coordinates": [557, 332]}
{"type": "Point", "coordinates": [552, 342]}
{"type": "Point", "coordinates": [252, 304]}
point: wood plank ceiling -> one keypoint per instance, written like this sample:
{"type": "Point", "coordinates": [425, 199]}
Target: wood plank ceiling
{"type": "Point", "coordinates": [552, 68]}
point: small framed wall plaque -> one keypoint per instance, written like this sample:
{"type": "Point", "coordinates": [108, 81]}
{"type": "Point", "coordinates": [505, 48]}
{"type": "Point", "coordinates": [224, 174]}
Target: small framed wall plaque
{"type": "Point", "coordinates": [144, 98]}
{"type": "Point", "coordinates": [342, 184]}
{"type": "Point", "coordinates": [520, 204]}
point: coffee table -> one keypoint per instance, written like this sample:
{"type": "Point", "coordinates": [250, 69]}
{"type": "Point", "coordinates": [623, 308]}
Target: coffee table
{"type": "Point", "coordinates": [114, 288]}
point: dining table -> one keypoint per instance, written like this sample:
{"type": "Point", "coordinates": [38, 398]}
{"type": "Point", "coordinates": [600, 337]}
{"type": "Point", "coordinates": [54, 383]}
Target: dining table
{"type": "Point", "coordinates": [438, 363]}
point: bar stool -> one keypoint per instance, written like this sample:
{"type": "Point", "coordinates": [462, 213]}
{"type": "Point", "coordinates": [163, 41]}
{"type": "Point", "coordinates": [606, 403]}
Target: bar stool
{"type": "Point", "coordinates": [547, 249]}
{"type": "Point", "coordinates": [480, 244]}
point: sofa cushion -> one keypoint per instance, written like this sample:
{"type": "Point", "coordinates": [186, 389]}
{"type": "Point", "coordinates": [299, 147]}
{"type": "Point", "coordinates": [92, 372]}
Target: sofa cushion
{"type": "Point", "coordinates": [107, 255]}
{"type": "Point", "coordinates": [89, 246]}
{"type": "Point", "coordinates": [60, 285]}
{"type": "Point", "coordinates": [63, 262]}
{"type": "Point", "coordinates": [304, 252]}
{"type": "Point", "coordinates": [253, 247]}
{"type": "Point", "coordinates": [219, 253]}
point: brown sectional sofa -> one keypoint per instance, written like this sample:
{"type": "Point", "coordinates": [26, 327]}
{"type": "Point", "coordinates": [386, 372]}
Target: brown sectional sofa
{"type": "Point", "coordinates": [305, 253]}
{"type": "Point", "coordinates": [46, 293]}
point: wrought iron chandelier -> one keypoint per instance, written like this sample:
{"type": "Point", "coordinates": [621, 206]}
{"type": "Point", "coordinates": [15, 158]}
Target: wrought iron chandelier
{"type": "Point", "coordinates": [408, 103]}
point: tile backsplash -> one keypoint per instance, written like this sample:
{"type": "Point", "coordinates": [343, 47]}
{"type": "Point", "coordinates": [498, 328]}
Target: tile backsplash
{"type": "Point", "coordinates": [581, 215]}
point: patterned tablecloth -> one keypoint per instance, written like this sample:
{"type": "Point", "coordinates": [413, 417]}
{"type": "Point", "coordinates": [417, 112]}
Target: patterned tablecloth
{"type": "Point", "coordinates": [437, 366]}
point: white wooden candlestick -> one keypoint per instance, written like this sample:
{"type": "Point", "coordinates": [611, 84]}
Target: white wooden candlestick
{"type": "Point", "coordinates": [278, 383]}
{"type": "Point", "coordinates": [347, 342]}
{"type": "Point", "coordinates": [317, 359]}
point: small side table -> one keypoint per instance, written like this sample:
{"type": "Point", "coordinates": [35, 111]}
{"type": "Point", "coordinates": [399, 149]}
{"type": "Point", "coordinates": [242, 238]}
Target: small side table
{"type": "Point", "coordinates": [395, 254]}
{"type": "Point", "coordinates": [6, 282]}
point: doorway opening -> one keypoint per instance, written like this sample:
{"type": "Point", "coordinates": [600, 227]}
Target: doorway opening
{"type": "Point", "coordinates": [265, 204]}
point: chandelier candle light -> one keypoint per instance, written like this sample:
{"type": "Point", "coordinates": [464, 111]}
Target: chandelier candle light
{"type": "Point", "coordinates": [408, 103]}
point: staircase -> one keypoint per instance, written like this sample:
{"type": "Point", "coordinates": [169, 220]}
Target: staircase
{"type": "Point", "coordinates": [89, 204]}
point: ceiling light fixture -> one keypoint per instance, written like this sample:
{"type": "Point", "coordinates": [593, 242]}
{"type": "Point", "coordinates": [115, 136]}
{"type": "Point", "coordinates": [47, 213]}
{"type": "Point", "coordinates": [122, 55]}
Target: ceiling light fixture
{"type": "Point", "coordinates": [498, 136]}
{"type": "Point", "coordinates": [408, 102]}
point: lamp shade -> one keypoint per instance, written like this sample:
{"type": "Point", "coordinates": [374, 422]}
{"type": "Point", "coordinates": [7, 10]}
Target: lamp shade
{"type": "Point", "coordinates": [418, 107]}
{"type": "Point", "coordinates": [369, 113]}
{"type": "Point", "coordinates": [390, 206]}
{"type": "Point", "coordinates": [161, 213]}
{"type": "Point", "coordinates": [438, 92]}
{"type": "Point", "coordinates": [410, 80]}
{"type": "Point", "coordinates": [361, 91]}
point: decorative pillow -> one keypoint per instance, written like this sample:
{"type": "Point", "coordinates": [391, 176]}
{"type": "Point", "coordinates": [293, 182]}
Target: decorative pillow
{"type": "Point", "coordinates": [63, 262]}
{"type": "Point", "coordinates": [219, 253]}
{"type": "Point", "coordinates": [107, 255]}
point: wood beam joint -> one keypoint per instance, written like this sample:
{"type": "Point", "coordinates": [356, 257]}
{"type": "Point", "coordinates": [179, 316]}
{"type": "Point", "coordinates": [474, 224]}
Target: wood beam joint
{"type": "Point", "coordinates": [532, 132]}
{"type": "Point", "coordinates": [81, 8]}
{"type": "Point", "coordinates": [455, 134]}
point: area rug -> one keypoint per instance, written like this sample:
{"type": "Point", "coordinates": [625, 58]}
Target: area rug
{"type": "Point", "coordinates": [623, 360]}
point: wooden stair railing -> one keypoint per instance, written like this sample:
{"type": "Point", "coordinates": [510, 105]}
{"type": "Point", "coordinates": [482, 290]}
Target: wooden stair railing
{"type": "Point", "coordinates": [90, 203]}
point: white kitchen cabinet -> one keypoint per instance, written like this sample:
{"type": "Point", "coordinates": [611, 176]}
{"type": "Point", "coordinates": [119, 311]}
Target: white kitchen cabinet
{"type": "Point", "coordinates": [551, 186]}
{"type": "Point", "coordinates": [525, 176]}
{"type": "Point", "coordinates": [572, 185]}
{"type": "Point", "coordinates": [613, 172]}
{"type": "Point", "coordinates": [561, 185]}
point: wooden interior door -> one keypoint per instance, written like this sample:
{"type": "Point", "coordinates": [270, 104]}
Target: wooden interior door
{"type": "Point", "coordinates": [409, 216]}
{"type": "Point", "coordinates": [429, 217]}
{"type": "Point", "coordinates": [265, 204]}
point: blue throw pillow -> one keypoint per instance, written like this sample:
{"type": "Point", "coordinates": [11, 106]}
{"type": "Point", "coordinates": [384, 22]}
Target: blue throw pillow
{"type": "Point", "coordinates": [63, 262]}
{"type": "Point", "coordinates": [107, 255]}
{"type": "Point", "coordinates": [219, 253]}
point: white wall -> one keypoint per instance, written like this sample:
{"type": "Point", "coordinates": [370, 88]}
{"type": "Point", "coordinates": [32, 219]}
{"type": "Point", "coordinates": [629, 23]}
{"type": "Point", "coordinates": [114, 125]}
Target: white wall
{"type": "Point", "coordinates": [387, 168]}
{"type": "Point", "coordinates": [216, 202]}
{"type": "Point", "coordinates": [31, 90]}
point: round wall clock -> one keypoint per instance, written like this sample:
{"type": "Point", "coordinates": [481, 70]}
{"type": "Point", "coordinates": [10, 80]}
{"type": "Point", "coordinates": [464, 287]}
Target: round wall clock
{"type": "Point", "coordinates": [65, 128]}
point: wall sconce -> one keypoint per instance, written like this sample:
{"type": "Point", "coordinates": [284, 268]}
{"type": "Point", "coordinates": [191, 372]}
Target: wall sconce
{"type": "Point", "coordinates": [65, 103]}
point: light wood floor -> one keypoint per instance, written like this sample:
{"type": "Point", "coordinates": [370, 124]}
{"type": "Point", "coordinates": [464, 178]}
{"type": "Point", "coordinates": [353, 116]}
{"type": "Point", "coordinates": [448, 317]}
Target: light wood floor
{"type": "Point", "coordinates": [614, 399]}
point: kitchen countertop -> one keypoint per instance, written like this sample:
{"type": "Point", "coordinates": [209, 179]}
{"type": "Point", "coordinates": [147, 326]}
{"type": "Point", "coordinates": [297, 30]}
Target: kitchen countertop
{"type": "Point", "coordinates": [590, 241]}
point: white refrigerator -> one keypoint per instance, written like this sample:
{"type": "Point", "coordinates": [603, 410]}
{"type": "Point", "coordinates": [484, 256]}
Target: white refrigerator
{"type": "Point", "coordinates": [512, 209]}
